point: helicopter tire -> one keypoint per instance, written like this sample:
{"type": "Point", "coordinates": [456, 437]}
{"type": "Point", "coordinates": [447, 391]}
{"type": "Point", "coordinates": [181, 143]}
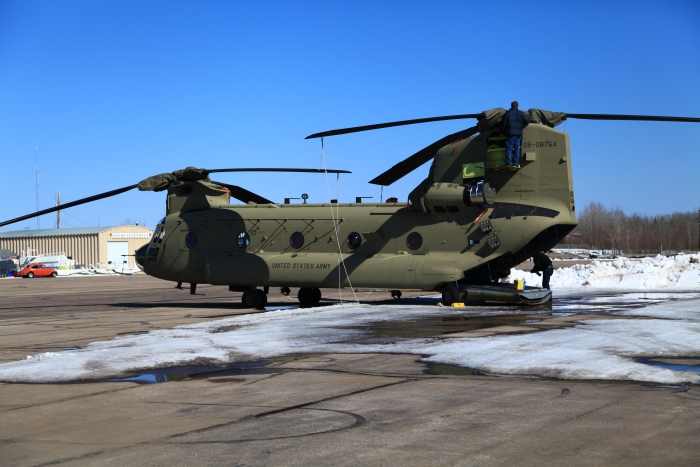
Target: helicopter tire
{"type": "Point", "coordinates": [263, 298]}
{"type": "Point", "coordinates": [250, 298]}
{"type": "Point", "coordinates": [396, 294]}
{"type": "Point", "coordinates": [285, 291]}
{"type": "Point", "coordinates": [309, 296]}
{"type": "Point", "coordinates": [450, 294]}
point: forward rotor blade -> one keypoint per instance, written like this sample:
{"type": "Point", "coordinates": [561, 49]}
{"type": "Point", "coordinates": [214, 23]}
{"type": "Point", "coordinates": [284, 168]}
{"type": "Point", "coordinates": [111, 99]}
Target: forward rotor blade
{"type": "Point", "coordinates": [651, 118]}
{"type": "Point", "coordinates": [244, 195]}
{"type": "Point", "coordinates": [377, 126]}
{"type": "Point", "coordinates": [411, 163]}
{"type": "Point", "coordinates": [70, 205]}
{"type": "Point", "coordinates": [314, 171]}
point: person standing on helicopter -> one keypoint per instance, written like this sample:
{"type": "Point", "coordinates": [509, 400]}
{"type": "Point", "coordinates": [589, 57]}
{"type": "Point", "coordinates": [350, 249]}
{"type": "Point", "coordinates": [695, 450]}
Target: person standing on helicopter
{"type": "Point", "coordinates": [512, 128]}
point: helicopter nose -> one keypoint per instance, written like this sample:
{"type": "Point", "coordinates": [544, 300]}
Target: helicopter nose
{"type": "Point", "coordinates": [140, 256]}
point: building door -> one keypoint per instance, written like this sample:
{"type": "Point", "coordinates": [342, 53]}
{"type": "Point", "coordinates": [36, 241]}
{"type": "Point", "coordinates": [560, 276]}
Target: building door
{"type": "Point", "coordinates": [116, 255]}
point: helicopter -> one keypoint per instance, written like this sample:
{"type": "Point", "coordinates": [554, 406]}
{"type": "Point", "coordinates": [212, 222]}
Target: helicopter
{"type": "Point", "coordinates": [463, 228]}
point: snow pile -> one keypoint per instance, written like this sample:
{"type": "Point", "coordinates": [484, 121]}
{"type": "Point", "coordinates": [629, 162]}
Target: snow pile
{"type": "Point", "coordinates": [679, 272]}
{"type": "Point", "coordinates": [596, 349]}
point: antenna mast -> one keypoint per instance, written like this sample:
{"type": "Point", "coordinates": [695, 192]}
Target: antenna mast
{"type": "Point", "coordinates": [58, 213]}
{"type": "Point", "coordinates": [38, 222]}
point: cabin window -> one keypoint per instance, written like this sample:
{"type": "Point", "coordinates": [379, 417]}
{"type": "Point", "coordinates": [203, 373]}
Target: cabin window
{"type": "Point", "coordinates": [296, 240]}
{"type": "Point", "coordinates": [354, 240]}
{"type": "Point", "coordinates": [414, 241]}
{"type": "Point", "coordinates": [243, 240]}
{"type": "Point", "coordinates": [191, 240]}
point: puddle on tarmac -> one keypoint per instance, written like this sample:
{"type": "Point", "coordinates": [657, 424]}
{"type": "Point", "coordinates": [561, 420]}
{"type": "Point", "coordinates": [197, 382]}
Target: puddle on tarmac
{"type": "Point", "coordinates": [673, 363]}
{"type": "Point", "coordinates": [434, 326]}
{"type": "Point", "coordinates": [178, 373]}
{"type": "Point", "coordinates": [451, 370]}
{"type": "Point", "coordinates": [58, 349]}
{"type": "Point", "coordinates": [611, 302]}
{"type": "Point", "coordinates": [281, 307]}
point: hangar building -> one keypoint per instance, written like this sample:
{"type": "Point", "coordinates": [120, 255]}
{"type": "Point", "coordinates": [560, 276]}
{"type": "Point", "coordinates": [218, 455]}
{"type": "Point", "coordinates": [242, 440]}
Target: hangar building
{"type": "Point", "coordinates": [89, 245]}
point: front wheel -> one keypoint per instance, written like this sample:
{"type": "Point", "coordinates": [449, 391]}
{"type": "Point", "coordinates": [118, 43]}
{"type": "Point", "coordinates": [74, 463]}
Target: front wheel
{"type": "Point", "coordinates": [251, 298]}
{"type": "Point", "coordinates": [263, 298]}
{"type": "Point", "coordinates": [54, 274]}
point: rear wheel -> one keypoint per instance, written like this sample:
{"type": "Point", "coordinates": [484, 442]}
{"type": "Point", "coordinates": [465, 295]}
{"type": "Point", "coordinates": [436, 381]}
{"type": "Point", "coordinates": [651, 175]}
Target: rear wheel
{"type": "Point", "coordinates": [450, 294]}
{"type": "Point", "coordinates": [30, 275]}
{"type": "Point", "coordinates": [54, 274]}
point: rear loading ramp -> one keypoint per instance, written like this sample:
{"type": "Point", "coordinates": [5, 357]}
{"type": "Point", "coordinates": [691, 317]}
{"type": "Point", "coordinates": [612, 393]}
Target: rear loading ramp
{"type": "Point", "coordinates": [504, 294]}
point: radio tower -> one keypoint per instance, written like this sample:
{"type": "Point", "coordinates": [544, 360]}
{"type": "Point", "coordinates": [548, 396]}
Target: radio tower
{"type": "Point", "coordinates": [38, 222]}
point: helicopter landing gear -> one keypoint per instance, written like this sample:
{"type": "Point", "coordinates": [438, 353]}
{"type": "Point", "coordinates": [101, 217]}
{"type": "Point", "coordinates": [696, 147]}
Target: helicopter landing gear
{"type": "Point", "coordinates": [309, 295]}
{"type": "Point", "coordinates": [450, 294]}
{"type": "Point", "coordinates": [396, 294]}
{"type": "Point", "coordinates": [285, 291]}
{"type": "Point", "coordinates": [254, 298]}
{"type": "Point", "coordinates": [193, 288]}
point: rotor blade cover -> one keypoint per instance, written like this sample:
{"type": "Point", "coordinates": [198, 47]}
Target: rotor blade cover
{"type": "Point", "coordinates": [489, 119]}
{"type": "Point", "coordinates": [161, 181]}
{"type": "Point", "coordinates": [546, 117]}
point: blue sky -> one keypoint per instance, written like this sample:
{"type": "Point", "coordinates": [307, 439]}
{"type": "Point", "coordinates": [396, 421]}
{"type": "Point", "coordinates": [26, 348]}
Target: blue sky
{"type": "Point", "coordinates": [118, 91]}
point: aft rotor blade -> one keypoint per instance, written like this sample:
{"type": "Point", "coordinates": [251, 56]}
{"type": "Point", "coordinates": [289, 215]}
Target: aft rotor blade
{"type": "Point", "coordinates": [650, 118]}
{"type": "Point", "coordinates": [377, 126]}
{"type": "Point", "coordinates": [313, 171]}
{"type": "Point", "coordinates": [89, 199]}
{"type": "Point", "coordinates": [241, 194]}
{"type": "Point", "coordinates": [411, 163]}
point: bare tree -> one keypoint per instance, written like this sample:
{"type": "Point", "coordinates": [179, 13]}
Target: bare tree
{"type": "Point", "coordinates": [612, 229]}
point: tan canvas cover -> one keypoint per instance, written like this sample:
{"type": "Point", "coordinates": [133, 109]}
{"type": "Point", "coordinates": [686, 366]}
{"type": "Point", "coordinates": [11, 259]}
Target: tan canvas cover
{"type": "Point", "coordinates": [161, 181]}
{"type": "Point", "coordinates": [546, 117]}
{"type": "Point", "coordinates": [491, 119]}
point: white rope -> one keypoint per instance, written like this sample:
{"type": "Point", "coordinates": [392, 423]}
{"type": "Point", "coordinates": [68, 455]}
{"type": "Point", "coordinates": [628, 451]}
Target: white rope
{"type": "Point", "coordinates": [336, 222]}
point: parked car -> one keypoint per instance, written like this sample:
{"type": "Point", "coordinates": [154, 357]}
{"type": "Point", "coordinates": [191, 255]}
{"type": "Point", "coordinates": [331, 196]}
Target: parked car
{"type": "Point", "coordinates": [38, 270]}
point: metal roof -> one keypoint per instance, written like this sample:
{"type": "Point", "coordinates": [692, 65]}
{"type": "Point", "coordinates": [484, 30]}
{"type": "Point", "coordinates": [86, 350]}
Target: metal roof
{"type": "Point", "coordinates": [6, 253]}
{"type": "Point", "coordinates": [62, 232]}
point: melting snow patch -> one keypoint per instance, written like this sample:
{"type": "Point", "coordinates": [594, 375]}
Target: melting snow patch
{"type": "Point", "coordinates": [597, 349]}
{"type": "Point", "coordinates": [624, 273]}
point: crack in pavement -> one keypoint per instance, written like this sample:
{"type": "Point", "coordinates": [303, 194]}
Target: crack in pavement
{"type": "Point", "coordinates": [359, 420]}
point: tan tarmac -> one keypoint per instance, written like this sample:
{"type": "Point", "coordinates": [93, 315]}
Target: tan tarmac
{"type": "Point", "coordinates": [314, 410]}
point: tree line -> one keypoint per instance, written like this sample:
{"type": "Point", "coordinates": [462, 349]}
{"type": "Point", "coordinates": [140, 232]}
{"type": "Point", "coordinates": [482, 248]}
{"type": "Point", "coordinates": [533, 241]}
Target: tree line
{"type": "Point", "coordinates": [611, 229]}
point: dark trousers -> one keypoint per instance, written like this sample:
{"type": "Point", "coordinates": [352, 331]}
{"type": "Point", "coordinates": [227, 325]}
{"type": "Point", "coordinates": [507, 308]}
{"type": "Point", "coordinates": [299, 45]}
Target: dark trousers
{"type": "Point", "coordinates": [546, 274]}
{"type": "Point", "coordinates": [513, 150]}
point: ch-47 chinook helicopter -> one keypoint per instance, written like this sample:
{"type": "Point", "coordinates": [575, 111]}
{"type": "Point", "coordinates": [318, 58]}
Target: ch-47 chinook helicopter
{"type": "Point", "coordinates": [466, 225]}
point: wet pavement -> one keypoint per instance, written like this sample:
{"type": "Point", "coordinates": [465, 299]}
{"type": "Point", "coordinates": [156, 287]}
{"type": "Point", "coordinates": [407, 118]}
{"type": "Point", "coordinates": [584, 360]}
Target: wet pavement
{"type": "Point", "coordinates": [325, 408]}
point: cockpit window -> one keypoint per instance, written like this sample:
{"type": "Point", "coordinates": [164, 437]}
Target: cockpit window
{"type": "Point", "coordinates": [159, 234]}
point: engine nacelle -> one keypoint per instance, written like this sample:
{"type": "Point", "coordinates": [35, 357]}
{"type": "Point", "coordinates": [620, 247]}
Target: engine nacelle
{"type": "Point", "coordinates": [447, 197]}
